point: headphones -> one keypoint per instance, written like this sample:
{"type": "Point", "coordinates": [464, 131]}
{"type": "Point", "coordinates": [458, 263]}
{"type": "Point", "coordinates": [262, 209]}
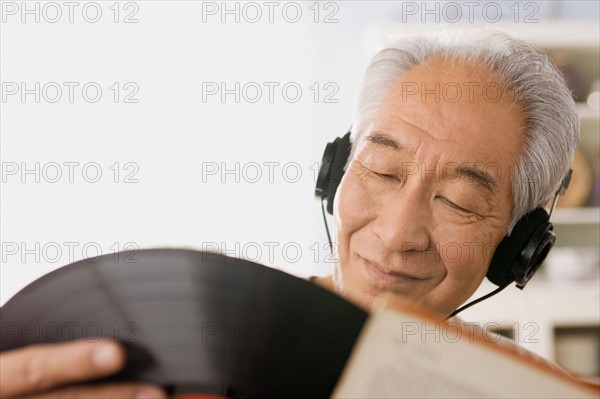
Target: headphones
{"type": "Point", "coordinates": [516, 258]}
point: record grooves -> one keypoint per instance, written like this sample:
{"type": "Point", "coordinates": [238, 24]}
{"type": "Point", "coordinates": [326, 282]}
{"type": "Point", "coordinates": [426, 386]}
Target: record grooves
{"type": "Point", "coordinates": [196, 323]}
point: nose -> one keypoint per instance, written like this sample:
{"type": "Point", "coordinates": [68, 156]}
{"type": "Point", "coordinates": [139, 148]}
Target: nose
{"type": "Point", "coordinates": [402, 222]}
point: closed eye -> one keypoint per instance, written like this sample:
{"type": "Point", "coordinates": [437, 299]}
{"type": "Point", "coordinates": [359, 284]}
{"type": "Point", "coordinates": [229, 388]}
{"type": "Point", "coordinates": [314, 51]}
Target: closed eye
{"type": "Point", "coordinates": [454, 206]}
{"type": "Point", "coordinates": [385, 176]}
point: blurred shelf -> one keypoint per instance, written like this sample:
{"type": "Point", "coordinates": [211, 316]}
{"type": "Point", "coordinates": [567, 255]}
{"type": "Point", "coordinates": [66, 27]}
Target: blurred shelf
{"type": "Point", "coordinates": [585, 215]}
{"type": "Point", "coordinates": [587, 112]}
{"type": "Point", "coordinates": [537, 311]}
{"type": "Point", "coordinates": [565, 301]}
{"type": "Point", "coordinates": [558, 302]}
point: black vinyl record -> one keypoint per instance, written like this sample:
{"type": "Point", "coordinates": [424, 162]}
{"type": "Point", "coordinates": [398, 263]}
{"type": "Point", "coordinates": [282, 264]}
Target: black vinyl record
{"type": "Point", "coordinates": [194, 322]}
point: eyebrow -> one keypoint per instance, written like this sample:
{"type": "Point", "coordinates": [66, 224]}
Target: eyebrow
{"type": "Point", "coordinates": [475, 175]}
{"type": "Point", "coordinates": [478, 176]}
{"type": "Point", "coordinates": [384, 140]}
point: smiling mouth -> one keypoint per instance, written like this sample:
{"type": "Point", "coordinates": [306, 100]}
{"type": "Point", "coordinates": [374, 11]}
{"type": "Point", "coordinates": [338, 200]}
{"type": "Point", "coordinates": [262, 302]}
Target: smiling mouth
{"type": "Point", "coordinates": [381, 277]}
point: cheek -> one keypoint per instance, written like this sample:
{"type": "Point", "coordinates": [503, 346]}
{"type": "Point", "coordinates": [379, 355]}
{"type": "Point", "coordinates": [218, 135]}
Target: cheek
{"type": "Point", "coordinates": [465, 249]}
{"type": "Point", "coordinates": [465, 264]}
{"type": "Point", "coordinates": [465, 258]}
{"type": "Point", "coordinates": [353, 209]}
{"type": "Point", "coordinates": [352, 206]}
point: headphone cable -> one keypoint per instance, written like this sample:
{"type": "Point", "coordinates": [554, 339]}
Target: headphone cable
{"type": "Point", "coordinates": [476, 301]}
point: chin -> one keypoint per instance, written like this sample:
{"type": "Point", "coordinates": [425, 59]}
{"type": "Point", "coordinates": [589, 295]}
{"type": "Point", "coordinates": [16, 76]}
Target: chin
{"type": "Point", "coordinates": [367, 298]}
{"type": "Point", "coordinates": [364, 297]}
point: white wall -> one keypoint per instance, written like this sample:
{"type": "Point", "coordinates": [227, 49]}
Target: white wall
{"type": "Point", "coordinates": [171, 135]}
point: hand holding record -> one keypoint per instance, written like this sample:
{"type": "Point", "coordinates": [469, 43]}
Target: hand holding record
{"type": "Point", "coordinates": [59, 371]}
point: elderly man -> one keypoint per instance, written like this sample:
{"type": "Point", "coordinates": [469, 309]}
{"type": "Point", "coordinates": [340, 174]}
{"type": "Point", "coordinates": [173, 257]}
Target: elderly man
{"type": "Point", "coordinates": [457, 136]}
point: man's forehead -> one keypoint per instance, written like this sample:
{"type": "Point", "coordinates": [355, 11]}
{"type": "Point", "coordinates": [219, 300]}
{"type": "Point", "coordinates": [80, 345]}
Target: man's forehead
{"type": "Point", "coordinates": [484, 175]}
{"type": "Point", "coordinates": [465, 131]}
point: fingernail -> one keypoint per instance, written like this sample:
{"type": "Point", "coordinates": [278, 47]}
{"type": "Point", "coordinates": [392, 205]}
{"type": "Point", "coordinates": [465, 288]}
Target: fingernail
{"type": "Point", "coordinates": [105, 356]}
{"type": "Point", "coordinates": [149, 393]}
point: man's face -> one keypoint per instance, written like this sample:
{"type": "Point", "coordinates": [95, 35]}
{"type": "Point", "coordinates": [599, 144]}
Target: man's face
{"type": "Point", "coordinates": [427, 196]}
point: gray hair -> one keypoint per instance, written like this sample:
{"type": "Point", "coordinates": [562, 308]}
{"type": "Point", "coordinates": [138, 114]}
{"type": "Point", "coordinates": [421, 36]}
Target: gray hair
{"type": "Point", "coordinates": [549, 112]}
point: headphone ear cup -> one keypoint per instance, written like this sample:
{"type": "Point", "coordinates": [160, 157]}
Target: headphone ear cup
{"type": "Point", "coordinates": [533, 255]}
{"type": "Point", "coordinates": [332, 169]}
{"type": "Point", "coordinates": [519, 255]}
{"type": "Point", "coordinates": [322, 186]}
{"type": "Point", "coordinates": [337, 169]}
